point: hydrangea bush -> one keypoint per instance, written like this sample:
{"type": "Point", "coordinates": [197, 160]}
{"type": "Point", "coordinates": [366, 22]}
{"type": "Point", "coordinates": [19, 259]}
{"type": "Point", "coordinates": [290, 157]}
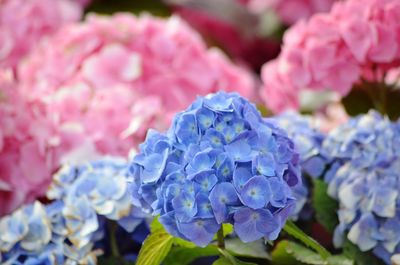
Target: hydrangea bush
{"type": "Point", "coordinates": [367, 183]}
{"type": "Point", "coordinates": [220, 162]}
{"type": "Point", "coordinates": [222, 180]}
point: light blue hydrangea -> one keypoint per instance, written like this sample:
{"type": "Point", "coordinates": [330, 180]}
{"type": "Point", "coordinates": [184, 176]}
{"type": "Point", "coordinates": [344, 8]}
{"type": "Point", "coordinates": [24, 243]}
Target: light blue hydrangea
{"type": "Point", "coordinates": [31, 235]}
{"type": "Point", "coordinates": [64, 231]}
{"type": "Point", "coordinates": [28, 227]}
{"type": "Point", "coordinates": [367, 183]}
{"type": "Point", "coordinates": [308, 141]}
{"type": "Point", "coordinates": [103, 184]}
{"type": "Point", "coordinates": [220, 162]}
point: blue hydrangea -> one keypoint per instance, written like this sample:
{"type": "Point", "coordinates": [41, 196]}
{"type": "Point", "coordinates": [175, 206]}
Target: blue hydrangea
{"type": "Point", "coordinates": [367, 183]}
{"type": "Point", "coordinates": [64, 231]}
{"type": "Point", "coordinates": [31, 235]}
{"type": "Point", "coordinates": [308, 141]}
{"type": "Point", "coordinates": [220, 162]}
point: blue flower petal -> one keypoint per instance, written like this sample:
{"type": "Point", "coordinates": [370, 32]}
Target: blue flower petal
{"type": "Point", "coordinates": [200, 231]}
{"type": "Point", "coordinates": [222, 195]}
{"type": "Point", "coordinates": [256, 192]}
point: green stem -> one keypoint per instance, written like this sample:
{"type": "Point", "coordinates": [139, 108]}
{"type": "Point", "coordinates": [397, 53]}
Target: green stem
{"type": "Point", "coordinates": [297, 233]}
{"type": "Point", "coordinates": [113, 239]}
{"type": "Point", "coordinates": [221, 238]}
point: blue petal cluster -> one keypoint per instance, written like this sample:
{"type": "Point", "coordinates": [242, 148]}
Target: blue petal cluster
{"type": "Point", "coordinates": [35, 234]}
{"type": "Point", "coordinates": [367, 183]}
{"type": "Point", "coordinates": [65, 230]}
{"type": "Point", "coordinates": [308, 141]}
{"type": "Point", "coordinates": [220, 162]}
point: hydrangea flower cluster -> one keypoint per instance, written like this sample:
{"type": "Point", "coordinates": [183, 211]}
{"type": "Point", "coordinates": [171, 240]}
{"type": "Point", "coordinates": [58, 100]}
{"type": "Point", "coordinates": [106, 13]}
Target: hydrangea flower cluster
{"type": "Point", "coordinates": [35, 234]}
{"type": "Point", "coordinates": [367, 183]}
{"type": "Point", "coordinates": [115, 67]}
{"type": "Point", "coordinates": [64, 231]}
{"type": "Point", "coordinates": [357, 40]}
{"type": "Point", "coordinates": [285, 8]}
{"type": "Point", "coordinates": [308, 141]}
{"type": "Point", "coordinates": [27, 148]}
{"type": "Point", "coordinates": [23, 23]}
{"type": "Point", "coordinates": [220, 162]}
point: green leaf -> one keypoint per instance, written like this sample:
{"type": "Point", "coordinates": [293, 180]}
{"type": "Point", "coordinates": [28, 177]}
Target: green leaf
{"type": "Point", "coordinates": [155, 225]}
{"type": "Point", "coordinates": [288, 253]}
{"type": "Point", "coordinates": [297, 233]}
{"type": "Point", "coordinates": [254, 249]}
{"type": "Point", "coordinates": [228, 259]}
{"type": "Point", "coordinates": [155, 248]}
{"type": "Point", "coordinates": [184, 256]}
{"type": "Point", "coordinates": [227, 229]}
{"type": "Point", "coordinates": [280, 256]}
{"type": "Point", "coordinates": [183, 243]}
{"type": "Point", "coordinates": [325, 206]}
{"type": "Point", "coordinates": [340, 260]}
{"type": "Point", "coordinates": [361, 258]}
{"type": "Point", "coordinates": [222, 261]}
{"type": "Point", "coordinates": [304, 254]}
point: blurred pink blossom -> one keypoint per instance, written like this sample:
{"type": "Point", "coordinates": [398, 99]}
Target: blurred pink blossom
{"type": "Point", "coordinates": [291, 11]}
{"type": "Point", "coordinates": [24, 22]}
{"type": "Point", "coordinates": [358, 39]}
{"type": "Point", "coordinates": [26, 148]}
{"type": "Point", "coordinates": [108, 79]}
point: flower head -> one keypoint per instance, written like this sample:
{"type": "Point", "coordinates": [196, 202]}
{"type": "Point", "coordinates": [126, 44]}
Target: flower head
{"type": "Point", "coordinates": [220, 162]}
{"type": "Point", "coordinates": [308, 141]}
{"type": "Point", "coordinates": [66, 230]}
{"type": "Point", "coordinates": [355, 41]}
{"type": "Point", "coordinates": [115, 67]}
{"type": "Point", "coordinates": [99, 185]}
{"type": "Point", "coordinates": [367, 183]}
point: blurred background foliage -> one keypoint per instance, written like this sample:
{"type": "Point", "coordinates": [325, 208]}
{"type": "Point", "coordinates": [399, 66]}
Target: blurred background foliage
{"type": "Point", "coordinates": [134, 6]}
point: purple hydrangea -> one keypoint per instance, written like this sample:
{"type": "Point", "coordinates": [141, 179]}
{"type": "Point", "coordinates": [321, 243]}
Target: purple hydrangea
{"type": "Point", "coordinates": [367, 183]}
{"type": "Point", "coordinates": [220, 162]}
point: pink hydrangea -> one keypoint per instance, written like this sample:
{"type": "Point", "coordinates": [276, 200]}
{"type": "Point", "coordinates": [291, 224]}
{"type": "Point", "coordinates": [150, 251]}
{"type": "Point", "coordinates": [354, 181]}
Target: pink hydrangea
{"type": "Point", "coordinates": [291, 11]}
{"type": "Point", "coordinates": [108, 79]}
{"type": "Point", "coordinates": [24, 22]}
{"type": "Point", "coordinates": [26, 148]}
{"type": "Point", "coordinates": [357, 40]}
